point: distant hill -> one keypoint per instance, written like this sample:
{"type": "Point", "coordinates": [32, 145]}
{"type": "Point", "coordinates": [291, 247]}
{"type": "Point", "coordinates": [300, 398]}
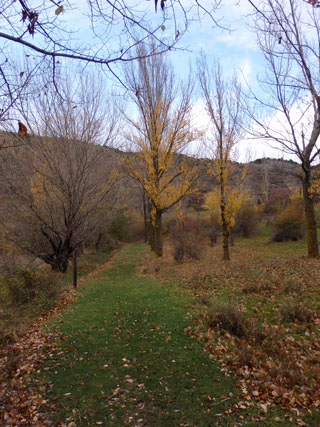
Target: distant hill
{"type": "Point", "coordinates": [264, 178]}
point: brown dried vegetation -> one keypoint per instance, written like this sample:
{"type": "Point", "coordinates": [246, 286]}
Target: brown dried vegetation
{"type": "Point", "coordinates": [259, 317]}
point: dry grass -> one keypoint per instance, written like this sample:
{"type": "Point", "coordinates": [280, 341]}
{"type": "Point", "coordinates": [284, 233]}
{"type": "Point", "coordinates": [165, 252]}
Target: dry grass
{"type": "Point", "coordinates": [227, 317]}
{"type": "Point", "coordinates": [293, 311]}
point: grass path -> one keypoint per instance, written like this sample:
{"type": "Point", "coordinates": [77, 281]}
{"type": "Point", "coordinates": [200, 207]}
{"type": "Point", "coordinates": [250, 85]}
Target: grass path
{"type": "Point", "coordinates": [123, 357]}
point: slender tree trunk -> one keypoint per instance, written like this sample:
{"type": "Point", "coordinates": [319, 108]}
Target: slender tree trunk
{"type": "Point", "coordinates": [151, 232]}
{"type": "Point", "coordinates": [231, 239]}
{"type": "Point", "coordinates": [225, 228]}
{"type": "Point", "coordinates": [98, 241]}
{"type": "Point", "coordinates": [225, 233]}
{"type": "Point", "coordinates": [145, 218]}
{"type": "Point", "coordinates": [312, 237]}
{"type": "Point", "coordinates": [151, 235]}
{"type": "Point", "coordinates": [158, 238]}
{"type": "Point", "coordinates": [75, 269]}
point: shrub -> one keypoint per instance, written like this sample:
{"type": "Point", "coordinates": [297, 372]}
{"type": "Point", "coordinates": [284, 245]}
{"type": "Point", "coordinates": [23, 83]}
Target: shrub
{"type": "Point", "coordinates": [20, 285]}
{"type": "Point", "coordinates": [247, 220]}
{"type": "Point", "coordinates": [137, 231]}
{"type": "Point", "coordinates": [293, 311]}
{"type": "Point", "coordinates": [276, 202]}
{"type": "Point", "coordinates": [26, 285]}
{"type": "Point", "coordinates": [289, 224]}
{"type": "Point", "coordinates": [291, 287]}
{"type": "Point", "coordinates": [213, 236]}
{"type": "Point", "coordinates": [119, 228]}
{"type": "Point", "coordinates": [187, 238]}
{"type": "Point", "coordinates": [257, 287]}
{"type": "Point", "coordinates": [230, 318]}
{"type": "Point", "coordinates": [168, 223]}
{"type": "Point", "coordinates": [200, 281]}
{"type": "Point", "coordinates": [215, 222]}
{"type": "Point", "coordinates": [227, 317]}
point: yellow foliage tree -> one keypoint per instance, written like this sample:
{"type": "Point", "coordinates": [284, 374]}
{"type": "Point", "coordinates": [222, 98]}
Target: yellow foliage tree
{"type": "Point", "coordinates": [158, 136]}
{"type": "Point", "coordinates": [236, 197]}
{"type": "Point", "coordinates": [223, 105]}
{"type": "Point", "coordinates": [315, 186]}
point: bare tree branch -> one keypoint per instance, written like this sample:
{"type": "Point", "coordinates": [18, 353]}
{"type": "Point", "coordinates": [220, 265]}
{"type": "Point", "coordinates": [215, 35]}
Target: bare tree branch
{"type": "Point", "coordinates": [288, 36]}
{"type": "Point", "coordinates": [47, 30]}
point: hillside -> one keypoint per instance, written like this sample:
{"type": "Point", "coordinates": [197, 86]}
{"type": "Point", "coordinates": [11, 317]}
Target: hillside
{"type": "Point", "coordinates": [264, 178]}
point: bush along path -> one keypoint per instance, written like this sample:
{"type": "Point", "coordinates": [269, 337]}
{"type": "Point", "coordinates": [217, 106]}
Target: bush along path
{"type": "Point", "coordinates": [122, 357]}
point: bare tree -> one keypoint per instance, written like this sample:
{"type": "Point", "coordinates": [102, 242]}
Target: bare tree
{"type": "Point", "coordinates": [159, 134]}
{"type": "Point", "coordinates": [10, 91]}
{"type": "Point", "coordinates": [223, 105]}
{"type": "Point", "coordinates": [100, 32]}
{"type": "Point", "coordinates": [288, 36]}
{"type": "Point", "coordinates": [55, 185]}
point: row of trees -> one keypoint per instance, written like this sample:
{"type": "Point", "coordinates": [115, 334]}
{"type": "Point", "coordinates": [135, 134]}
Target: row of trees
{"type": "Point", "coordinates": [57, 182]}
{"type": "Point", "coordinates": [288, 38]}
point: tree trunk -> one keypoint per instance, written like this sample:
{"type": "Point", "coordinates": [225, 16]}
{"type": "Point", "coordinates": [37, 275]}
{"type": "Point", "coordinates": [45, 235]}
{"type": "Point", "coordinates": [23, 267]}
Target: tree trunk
{"type": "Point", "coordinates": [158, 238]}
{"type": "Point", "coordinates": [98, 241]}
{"type": "Point", "coordinates": [225, 228]}
{"type": "Point", "coordinates": [151, 232]}
{"type": "Point", "coordinates": [312, 237]}
{"type": "Point", "coordinates": [145, 218]}
{"type": "Point", "coordinates": [231, 239]}
{"type": "Point", "coordinates": [59, 260]}
{"type": "Point", "coordinates": [225, 233]}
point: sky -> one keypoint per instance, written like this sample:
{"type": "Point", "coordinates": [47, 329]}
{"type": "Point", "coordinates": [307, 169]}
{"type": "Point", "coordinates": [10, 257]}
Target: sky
{"type": "Point", "coordinates": [236, 49]}
{"type": "Point", "coordinates": [234, 46]}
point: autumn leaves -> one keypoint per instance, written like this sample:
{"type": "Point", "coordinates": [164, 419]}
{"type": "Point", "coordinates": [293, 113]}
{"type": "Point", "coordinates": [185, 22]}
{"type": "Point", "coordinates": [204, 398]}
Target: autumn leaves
{"type": "Point", "coordinates": [160, 133]}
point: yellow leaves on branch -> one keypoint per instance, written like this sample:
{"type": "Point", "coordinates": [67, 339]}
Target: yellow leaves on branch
{"type": "Point", "coordinates": [235, 199]}
{"type": "Point", "coordinates": [296, 195]}
{"type": "Point", "coordinates": [315, 186]}
{"type": "Point", "coordinates": [165, 176]}
{"type": "Point", "coordinates": [59, 10]}
{"type": "Point", "coordinates": [212, 202]}
{"type": "Point", "coordinates": [162, 131]}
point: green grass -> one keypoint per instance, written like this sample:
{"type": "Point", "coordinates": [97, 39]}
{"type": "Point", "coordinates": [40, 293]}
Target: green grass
{"type": "Point", "coordinates": [16, 318]}
{"type": "Point", "coordinates": [123, 356]}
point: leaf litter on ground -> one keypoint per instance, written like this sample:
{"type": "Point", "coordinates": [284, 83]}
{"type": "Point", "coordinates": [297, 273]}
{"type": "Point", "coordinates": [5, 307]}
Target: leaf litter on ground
{"type": "Point", "coordinates": [283, 371]}
{"type": "Point", "coordinates": [281, 368]}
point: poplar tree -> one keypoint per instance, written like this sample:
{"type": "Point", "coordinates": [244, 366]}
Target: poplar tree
{"type": "Point", "coordinates": [159, 133]}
